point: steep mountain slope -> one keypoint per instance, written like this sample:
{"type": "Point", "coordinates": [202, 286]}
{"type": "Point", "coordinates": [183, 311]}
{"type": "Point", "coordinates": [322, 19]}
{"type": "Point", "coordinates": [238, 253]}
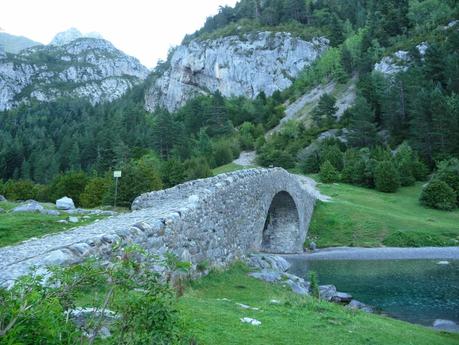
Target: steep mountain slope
{"type": "Point", "coordinates": [14, 44]}
{"type": "Point", "coordinates": [234, 66]}
{"type": "Point", "coordinates": [84, 68]}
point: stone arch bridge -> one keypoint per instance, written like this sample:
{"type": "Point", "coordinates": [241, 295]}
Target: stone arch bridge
{"type": "Point", "coordinates": [218, 219]}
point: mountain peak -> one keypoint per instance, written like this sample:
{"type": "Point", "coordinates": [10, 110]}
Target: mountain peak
{"type": "Point", "coordinates": [70, 35]}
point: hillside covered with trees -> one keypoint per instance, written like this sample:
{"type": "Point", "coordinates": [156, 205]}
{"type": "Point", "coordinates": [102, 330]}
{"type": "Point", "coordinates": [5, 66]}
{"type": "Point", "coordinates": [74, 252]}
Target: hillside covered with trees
{"type": "Point", "coordinates": [399, 129]}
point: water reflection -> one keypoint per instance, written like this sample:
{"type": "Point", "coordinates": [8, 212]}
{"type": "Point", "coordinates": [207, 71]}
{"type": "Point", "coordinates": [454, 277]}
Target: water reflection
{"type": "Point", "coordinates": [417, 291]}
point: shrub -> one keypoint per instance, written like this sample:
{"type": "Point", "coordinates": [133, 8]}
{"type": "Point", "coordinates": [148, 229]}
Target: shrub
{"type": "Point", "coordinates": [70, 184]}
{"type": "Point", "coordinates": [328, 173]}
{"type": "Point", "coordinates": [334, 155]}
{"type": "Point", "coordinates": [197, 168]}
{"type": "Point", "coordinates": [222, 154]}
{"type": "Point", "coordinates": [386, 177]}
{"type": "Point", "coordinates": [314, 287]}
{"type": "Point", "coordinates": [19, 190]}
{"type": "Point", "coordinates": [437, 194]}
{"type": "Point", "coordinates": [32, 312]}
{"type": "Point", "coordinates": [354, 168]}
{"type": "Point", "coordinates": [448, 172]}
{"type": "Point", "coordinates": [94, 192]}
{"type": "Point", "coordinates": [413, 239]}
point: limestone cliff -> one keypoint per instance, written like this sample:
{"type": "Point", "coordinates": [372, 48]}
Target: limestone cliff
{"type": "Point", "coordinates": [84, 68]}
{"type": "Point", "coordinates": [235, 65]}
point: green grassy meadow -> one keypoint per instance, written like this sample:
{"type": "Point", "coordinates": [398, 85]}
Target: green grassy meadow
{"type": "Point", "coordinates": [17, 227]}
{"type": "Point", "coordinates": [211, 314]}
{"type": "Point", "coordinates": [368, 218]}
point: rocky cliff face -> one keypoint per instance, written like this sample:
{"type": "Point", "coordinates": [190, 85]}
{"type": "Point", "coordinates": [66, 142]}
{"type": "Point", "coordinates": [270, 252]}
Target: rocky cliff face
{"type": "Point", "coordinates": [86, 67]}
{"type": "Point", "coordinates": [235, 66]}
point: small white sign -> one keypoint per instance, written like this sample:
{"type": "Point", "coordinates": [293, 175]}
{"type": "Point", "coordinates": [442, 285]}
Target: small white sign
{"type": "Point", "coordinates": [117, 174]}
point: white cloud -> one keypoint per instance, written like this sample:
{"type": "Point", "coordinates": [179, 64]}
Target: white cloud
{"type": "Point", "coordinates": [145, 29]}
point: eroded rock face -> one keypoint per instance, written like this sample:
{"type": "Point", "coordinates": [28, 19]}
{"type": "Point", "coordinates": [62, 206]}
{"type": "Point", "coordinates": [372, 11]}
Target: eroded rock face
{"type": "Point", "coordinates": [400, 61]}
{"type": "Point", "coordinates": [84, 68]}
{"type": "Point", "coordinates": [235, 66]}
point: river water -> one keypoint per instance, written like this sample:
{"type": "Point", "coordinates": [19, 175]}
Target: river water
{"type": "Point", "coordinates": [418, 291]}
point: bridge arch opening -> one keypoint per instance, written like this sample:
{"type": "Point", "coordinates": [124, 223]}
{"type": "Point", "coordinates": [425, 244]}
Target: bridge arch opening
{"type": "Point", "coordinates": [282, 225]}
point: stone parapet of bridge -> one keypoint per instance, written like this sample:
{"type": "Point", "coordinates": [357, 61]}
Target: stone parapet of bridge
{"type": "Point", "coordinates": [218, 219]}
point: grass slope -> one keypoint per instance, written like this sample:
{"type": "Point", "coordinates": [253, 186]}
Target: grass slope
{"type": "Point", "coordinates": [17, 227]}
{"type": "Point", "coordinates": [230, 167]}
{"type": "Point", "coordinates": [364, 217]}
{"type": "Point", "coordinates": [296, 320]}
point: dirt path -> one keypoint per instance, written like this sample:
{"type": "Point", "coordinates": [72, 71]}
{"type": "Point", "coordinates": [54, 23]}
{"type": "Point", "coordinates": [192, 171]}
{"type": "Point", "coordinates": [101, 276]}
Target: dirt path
{"type": "Point", "coordinates": [246, 159]}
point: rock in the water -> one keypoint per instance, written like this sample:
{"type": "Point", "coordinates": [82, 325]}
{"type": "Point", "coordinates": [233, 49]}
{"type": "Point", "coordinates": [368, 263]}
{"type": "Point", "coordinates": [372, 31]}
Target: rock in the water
{"type": "Point", "coordinates": [73, 219]}
{"type": "Point", "coordinates": [50, 212]}
{"type": "Point", "coordinates": [65, 203]}
{"type": "Point", "coordinates": [443, 263]}
{"type": "Point", "coordinates": [341, 297]}
{"type": "Point", "coordinates": [31, 206]}
{"type": "Point", "coordinates": [251, 321]}
{"type": "Point", "coordinates": [312, 246]}
{"type": "Point", "coordinates": [2, 198]}
{"type": "Point", "coordinates": [327, 292]}
{"type": "Point", "coordinates": [354, 304]}
{"type": "Point", "coordinates": [446, 325]}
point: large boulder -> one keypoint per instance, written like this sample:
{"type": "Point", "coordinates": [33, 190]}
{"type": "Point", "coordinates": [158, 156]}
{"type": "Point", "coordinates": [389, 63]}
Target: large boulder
{"type": "Point", "coordinates": [446, 325]}
{"type": "Point", "coordinates": [327, 292]}
{"type": "Point", "coordinates": [65, 203]}
{"type": "Point", "coordinates": [269, 262]}
{"type": "Point", "coordinates": [354, 304]}
{"type": "Point", "coordinates": [2, 198]}
{"type": "Point", "coordinates": [30, 206]}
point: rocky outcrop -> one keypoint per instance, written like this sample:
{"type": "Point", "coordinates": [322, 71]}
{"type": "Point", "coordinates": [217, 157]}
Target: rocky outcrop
{"type": "Point", "coordinates": [84, 68]}
{"type": "Point", "coordinates": [70, 35]}
{"type": "Point", "coordinates": [235, 66]}
{"type": "Point", "coordinates": [399, 61]}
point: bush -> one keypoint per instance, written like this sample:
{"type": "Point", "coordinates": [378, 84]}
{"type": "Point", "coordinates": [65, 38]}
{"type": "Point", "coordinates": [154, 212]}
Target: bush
{"type": "Point", "coordinates": [314, 287]}
{"type": "Point", "coordinates": [94, 192]}
{"type": "Point", "coordinates": [32, 312]}
{"type": "Point", "coordinates": [437, 194]}
{"type": "Point", "coordinates": [386, 177]}
{"type": "Point", "coordinates": [354, 168]}
{"type": "Point", "coordinates": [413, 239]}
{"type": "Point", "coordinates": [70, 184]}
{"type": "Point", "coordinates": [448, 172]}
{"type": "Point", "coordinates": [197, 168]}
{"type": "Point", "coordinates": [222, 154]}
{"type": "Point", "coordinates": [19, 190]}
{"type": "Point", "coordinates": [328, 173]}
{"type": "Point", "coordinates": [334, 155]}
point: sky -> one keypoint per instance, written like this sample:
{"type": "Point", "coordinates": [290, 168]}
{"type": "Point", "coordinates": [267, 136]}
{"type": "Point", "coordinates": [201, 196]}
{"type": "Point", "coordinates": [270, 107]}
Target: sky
{"type": "Point", "coordinates": [145, 29]}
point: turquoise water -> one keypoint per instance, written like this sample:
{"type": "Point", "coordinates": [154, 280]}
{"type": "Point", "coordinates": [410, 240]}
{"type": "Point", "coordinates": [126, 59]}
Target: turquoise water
{"type": "Point", "coordinates": [417, 291]}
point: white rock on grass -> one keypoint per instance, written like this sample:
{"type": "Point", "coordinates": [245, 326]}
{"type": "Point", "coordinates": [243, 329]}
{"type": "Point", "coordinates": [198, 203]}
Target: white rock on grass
{"type": "Point", "coordinates": [245, 306]}
{"type": "Point", "coordinates": [30, 207]}
{"type": "Point", "coordinates": [2, 198]}
{"type": "Point", "coordinates": [250, 321]}
{"type": "Point", "coordinates": [65, 203]}
{"type": "Point", "coordinates": [73, 219]}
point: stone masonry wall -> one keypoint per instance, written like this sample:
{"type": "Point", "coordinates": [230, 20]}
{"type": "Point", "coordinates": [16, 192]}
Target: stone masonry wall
{"type": "Point", "coordinates": [218, 219]}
